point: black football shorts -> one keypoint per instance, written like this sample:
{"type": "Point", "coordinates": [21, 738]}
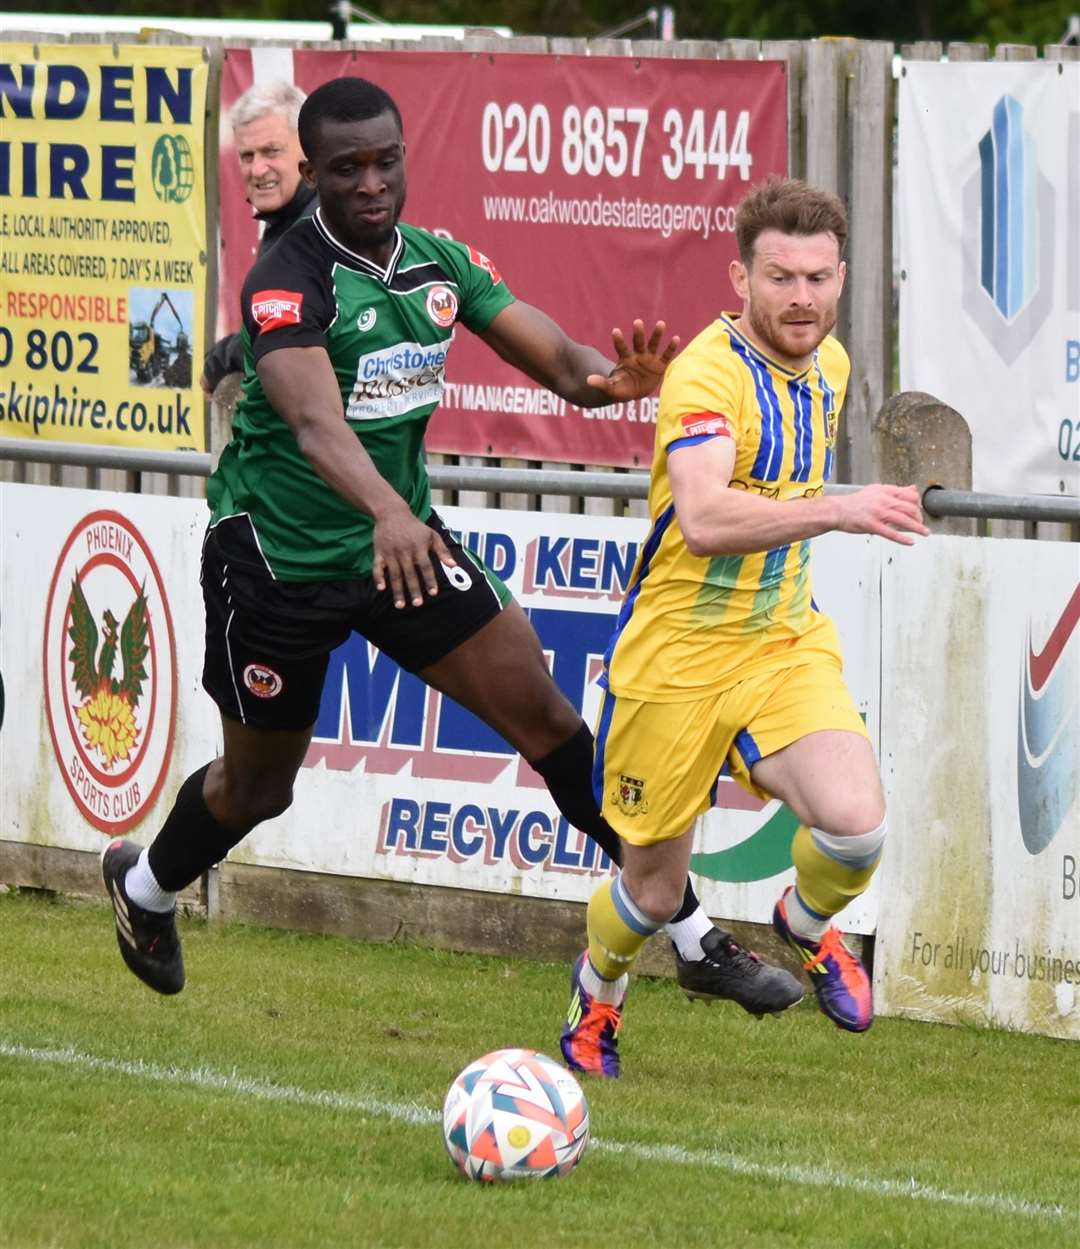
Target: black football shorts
{"type": "Point", "coordinates": [268, 642]}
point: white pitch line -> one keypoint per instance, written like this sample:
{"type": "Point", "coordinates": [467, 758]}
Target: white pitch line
{"type": "Point", "coordinates": [824, 1177]}
{"type": "Point", "coordinates": [411, 1112]}
{"type": "Point", "coordinates": [232, 1082]}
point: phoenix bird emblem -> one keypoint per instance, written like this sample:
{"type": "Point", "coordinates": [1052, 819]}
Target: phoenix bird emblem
{"type": "Point", "coordinates": [107, 712]}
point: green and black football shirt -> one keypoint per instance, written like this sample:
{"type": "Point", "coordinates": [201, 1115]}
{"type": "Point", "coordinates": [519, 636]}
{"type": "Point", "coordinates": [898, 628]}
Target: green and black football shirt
{"type": "Point", "coordinates": [387, 332]}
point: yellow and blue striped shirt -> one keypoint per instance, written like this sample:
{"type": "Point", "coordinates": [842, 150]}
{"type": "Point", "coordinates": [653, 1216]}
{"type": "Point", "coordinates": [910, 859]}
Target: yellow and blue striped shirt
{"type": "Point", "coordinates": [692, 624]}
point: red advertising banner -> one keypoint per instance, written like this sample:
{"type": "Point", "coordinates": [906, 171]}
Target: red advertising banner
{"type": "Point", "coordinates": [602, 188]}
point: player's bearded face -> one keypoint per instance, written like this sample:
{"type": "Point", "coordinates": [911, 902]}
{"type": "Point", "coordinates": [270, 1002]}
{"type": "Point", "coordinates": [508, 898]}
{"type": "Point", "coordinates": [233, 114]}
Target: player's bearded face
{"type": "Point", "coordinates": [359, 172]}
{"type": "Point", "coordinates": [791, 293]}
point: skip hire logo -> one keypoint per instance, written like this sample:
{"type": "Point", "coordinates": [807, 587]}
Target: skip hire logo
{"type": "Point", "coordinates": [1008, 211]}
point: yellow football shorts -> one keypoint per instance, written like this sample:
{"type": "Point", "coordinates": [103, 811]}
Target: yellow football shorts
{"type": "Point", "coordinates": [660, 762]}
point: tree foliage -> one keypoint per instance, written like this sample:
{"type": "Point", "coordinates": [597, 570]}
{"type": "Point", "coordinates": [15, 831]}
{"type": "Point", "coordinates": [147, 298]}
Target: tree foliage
{"type": "Point", "coordinates": [983, 21]}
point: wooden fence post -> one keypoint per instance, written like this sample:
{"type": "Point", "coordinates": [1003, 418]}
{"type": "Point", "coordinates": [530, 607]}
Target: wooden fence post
{"type": "Point", "coordinates": [1016, 52]}
{"type": "Point", "coordinates": [793, 53]}
{"type": "Point", "coordinates": [824, 113]}
{"type": "Point", "coordinates": [869, 292]}
{"type": "Point", "coordinates": [968, 52]}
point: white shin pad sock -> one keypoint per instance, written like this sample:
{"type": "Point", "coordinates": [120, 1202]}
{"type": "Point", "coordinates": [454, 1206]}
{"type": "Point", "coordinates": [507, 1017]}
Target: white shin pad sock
{"type": "Point", "coordinates": [142, 888]}
{"type": "Point", "coordinates": [687, 934]}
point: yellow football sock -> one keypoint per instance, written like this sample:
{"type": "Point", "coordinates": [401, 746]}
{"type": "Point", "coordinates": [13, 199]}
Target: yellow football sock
{"type": "Point", "coordinates": [827, 884]}
{"type": "Point", "coordinates": [617, 929]}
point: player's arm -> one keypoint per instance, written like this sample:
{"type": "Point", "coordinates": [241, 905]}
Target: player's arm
{"type": "Point", "coordinates": [532, 342]}
{"type": "Point", "coordinates": [302, 388]}
{"type": "Point", "coordinates": [719, 519]}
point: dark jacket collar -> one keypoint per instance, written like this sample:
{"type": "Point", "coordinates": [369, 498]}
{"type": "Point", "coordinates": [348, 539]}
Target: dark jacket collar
{"type": "Point", "coordinates": [277, 222]}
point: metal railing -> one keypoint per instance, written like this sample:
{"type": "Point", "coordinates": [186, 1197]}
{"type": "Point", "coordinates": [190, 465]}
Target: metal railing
{"type": "Point", "coordinates": [937, 501]}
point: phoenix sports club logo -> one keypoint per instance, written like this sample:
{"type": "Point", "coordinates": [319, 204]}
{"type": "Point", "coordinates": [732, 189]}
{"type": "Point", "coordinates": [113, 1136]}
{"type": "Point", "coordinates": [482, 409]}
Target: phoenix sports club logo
{"type": "Point", "coordinates": [1048, 745]}
{"type": "Point", "coordinates": [109, 664]}
{"type": "Point", "coordinates": [263, 682]}
{"type": "Point", "coordinates": [442, 306]}
{"type": "Point", "coordinates": [1008, 245]}
{"type": "Point", "coordinates": [107, 713]}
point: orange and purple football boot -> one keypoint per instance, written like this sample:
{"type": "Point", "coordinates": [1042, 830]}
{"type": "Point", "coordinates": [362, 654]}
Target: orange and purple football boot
{"type": "Point", "coordinates": [590, 1036]}
{"type": "Point", "coordinates": [838, 978]}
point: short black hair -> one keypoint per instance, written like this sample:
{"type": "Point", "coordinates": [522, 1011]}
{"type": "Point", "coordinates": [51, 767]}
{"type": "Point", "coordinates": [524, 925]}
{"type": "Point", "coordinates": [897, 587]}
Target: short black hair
{"type": "Point", "coordinates": [342, 99]}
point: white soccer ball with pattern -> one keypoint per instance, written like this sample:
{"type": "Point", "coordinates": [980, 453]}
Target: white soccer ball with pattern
{"type": "Point", "coordinates": [515, 1113]}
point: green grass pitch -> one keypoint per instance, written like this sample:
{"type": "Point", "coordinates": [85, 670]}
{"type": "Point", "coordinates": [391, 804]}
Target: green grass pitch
{"type": "Point", "coordinates": [289, 1097]}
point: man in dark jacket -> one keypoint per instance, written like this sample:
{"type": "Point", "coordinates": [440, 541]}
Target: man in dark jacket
{"type": "Point", "coordinates": [263, 122]}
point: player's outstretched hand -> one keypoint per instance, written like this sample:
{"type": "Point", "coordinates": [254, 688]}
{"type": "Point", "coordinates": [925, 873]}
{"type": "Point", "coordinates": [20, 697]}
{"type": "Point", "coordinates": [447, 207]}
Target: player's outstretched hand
{"type": "Point", "coordinates": [638, 371]}
{"type": "Point", "coordinates": [405, 550]}
{"type": "Point", "coordinates": [893, 512]}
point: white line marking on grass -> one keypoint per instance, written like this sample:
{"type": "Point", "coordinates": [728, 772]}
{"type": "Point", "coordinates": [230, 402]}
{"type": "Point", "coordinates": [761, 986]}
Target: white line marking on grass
{"type": "Point", "coordinates": [232, 1082]}
{"type": "Point", "coordinates": [824, 1177]}
{"type": "Point", "coordinates": [411, 1112]}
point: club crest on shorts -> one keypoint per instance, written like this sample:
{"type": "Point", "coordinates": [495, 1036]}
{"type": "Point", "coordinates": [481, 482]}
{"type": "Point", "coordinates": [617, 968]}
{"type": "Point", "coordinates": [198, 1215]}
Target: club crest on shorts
{"type": "Point", "coordinates": [442, 306]}
{"type": "Point", "coordinates": [262, 681]}
{"type": "Point", "coordinates": [629, 795]}
{"type": "Point", "coordinates": [110, 671]}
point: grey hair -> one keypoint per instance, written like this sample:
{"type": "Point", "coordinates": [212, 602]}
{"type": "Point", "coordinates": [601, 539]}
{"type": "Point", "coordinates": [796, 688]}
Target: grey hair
{"type": "Point", "coordinates": [275, 96]}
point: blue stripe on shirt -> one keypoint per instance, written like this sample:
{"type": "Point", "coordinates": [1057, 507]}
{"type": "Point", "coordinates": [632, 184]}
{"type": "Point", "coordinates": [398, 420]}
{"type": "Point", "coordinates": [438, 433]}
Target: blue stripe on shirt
{"type": "Point", "coordinates": [804, 430]}
{"type": "Point", "coordinates": [692, 441]}
{"type": "Point", "coordinates": [770, 454]}
{"type": "Point", "coordinates": [607, 710]}
{"type": "Point", "coordinates": [648, 553]}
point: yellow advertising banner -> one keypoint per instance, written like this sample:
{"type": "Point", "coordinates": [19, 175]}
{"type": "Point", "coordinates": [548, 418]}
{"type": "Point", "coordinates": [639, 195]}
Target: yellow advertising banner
{"type": "Point", "coordinates": [102, 244]}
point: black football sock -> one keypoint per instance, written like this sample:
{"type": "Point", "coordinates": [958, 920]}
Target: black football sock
{"type": "Point", "coordinates": [191, 840]}
{"type": "Point", "coordinates": [567, 772]}
{"type": "Point", "coordinates": [690, 904]}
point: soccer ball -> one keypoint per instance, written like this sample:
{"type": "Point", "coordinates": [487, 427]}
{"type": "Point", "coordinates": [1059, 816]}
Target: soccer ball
{"type": "Point", "coordinates": [515, 1113]}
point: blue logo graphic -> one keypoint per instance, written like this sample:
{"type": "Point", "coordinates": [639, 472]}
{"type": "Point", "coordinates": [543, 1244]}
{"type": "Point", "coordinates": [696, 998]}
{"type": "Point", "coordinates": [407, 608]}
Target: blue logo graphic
{"type": "Point", "coordinates": [1010, 218]}
{"type": "Point", "coordinates": [1007, 207]}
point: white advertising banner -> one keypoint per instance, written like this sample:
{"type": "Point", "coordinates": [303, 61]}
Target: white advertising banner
{"type": "Point", "coordinates": [401, 784]}
{"type": "Point", "coordinates": [980, 884]}
{"type": "Point", "coordinates": [963, 653]}
{"type": "Point", "coordinates": [989, 210]}
{"type": "Point", "coordinates": [101, 661]}
{"type": "Point", "coordinates": [101, 652]}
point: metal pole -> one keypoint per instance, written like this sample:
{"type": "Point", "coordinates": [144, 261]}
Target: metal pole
{"type": "Point", "coordinates": [135, 460]}
{"type": "Point", "coordinates": [936, 500]}
{"type": "Point", "coordinates": [1038, 507]}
